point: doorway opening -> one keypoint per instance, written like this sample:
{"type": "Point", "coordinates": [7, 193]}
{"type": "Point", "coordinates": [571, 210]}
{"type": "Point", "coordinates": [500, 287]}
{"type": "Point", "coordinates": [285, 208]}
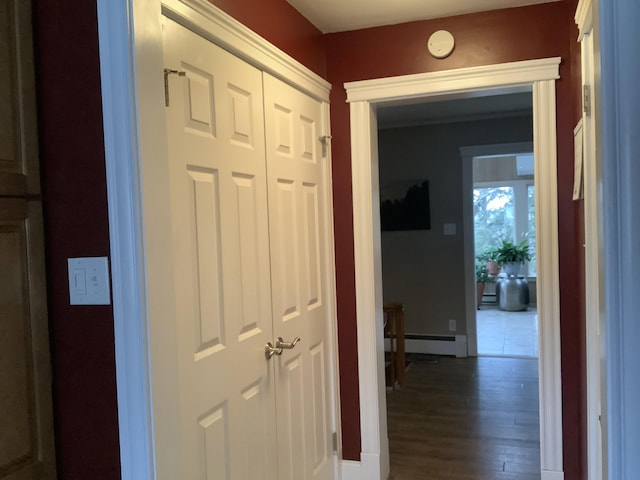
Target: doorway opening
{"type": "Point", "coordinates": [365, 97]}
{"type": "Point", "coordinates": [423, 270]}
{"type": "Point", "coordinates": [504, 214]}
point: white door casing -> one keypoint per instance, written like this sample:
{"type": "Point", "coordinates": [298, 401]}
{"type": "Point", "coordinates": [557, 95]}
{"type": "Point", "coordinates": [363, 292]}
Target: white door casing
{"type": "Point", "coordinates": [594, 278]}
{"type": "Point", "coordinates": [133, 108]}
{"type": "Point", "coordinates": [363, 97]}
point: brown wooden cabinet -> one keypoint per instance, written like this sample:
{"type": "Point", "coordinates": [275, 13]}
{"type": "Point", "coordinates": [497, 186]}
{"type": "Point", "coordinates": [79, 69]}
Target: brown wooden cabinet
{"type": "Point", "coordinates": [26, 418]}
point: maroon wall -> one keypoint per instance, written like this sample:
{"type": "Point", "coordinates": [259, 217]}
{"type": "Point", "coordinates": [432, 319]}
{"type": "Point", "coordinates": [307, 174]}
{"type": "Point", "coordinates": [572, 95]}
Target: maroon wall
{"type": "Point", "coordinates": [574, 333]}
{"type": "Point", "coordinates": [282, 25]}
{"type": "Point", "coordinates": [481, 39]}
{"type": "Point", "coordinates": [76, 224]}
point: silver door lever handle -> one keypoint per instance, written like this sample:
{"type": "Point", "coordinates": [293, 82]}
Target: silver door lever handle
{"type": "Point", "coordinates": [280, 343]}
{"type": "Point", "coordinates": [270, 350]}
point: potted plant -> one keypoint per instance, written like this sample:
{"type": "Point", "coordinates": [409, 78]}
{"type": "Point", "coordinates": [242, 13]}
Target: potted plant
{"type": "Point", "coordinates": [512, 256]}
{"type": "Point", "coordinates": [482, 275]}
{"type": "Point", "coordinates": [489, 256]}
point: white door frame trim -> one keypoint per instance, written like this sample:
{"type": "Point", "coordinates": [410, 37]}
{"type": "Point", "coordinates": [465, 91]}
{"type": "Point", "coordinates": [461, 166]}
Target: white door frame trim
{"type": "Point", "coordinates": [130, 37]}
{"type": "Point", "coordinates": [364, 96]}
{"type": "Point", "coordinates": [468, 154]}
{"type": "Point", "coordinates": [594, 254]}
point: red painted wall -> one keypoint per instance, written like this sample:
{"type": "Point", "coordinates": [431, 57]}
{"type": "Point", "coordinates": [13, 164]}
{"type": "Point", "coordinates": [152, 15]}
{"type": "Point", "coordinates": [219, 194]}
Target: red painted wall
{"type": "Point", "coordinates": [576, 347]}
{"type": "Point", "coordinates": [282, 25]}
{"type": "Point", "coordinates": [481, 39]}
{"type": "Point", "coordinates": [76, 224]}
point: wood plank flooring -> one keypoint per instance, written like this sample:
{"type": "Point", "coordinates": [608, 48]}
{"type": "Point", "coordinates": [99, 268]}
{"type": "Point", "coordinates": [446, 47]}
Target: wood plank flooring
{"type": "Point", "coordinates": [470, 418]}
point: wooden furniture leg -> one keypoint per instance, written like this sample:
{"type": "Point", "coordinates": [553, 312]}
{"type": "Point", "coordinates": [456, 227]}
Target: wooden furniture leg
{"type": "Point", "coordinates": [394, 330]}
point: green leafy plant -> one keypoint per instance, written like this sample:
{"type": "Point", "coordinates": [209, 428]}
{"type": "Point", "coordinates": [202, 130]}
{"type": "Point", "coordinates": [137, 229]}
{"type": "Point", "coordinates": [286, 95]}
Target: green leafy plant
{"type": "Point", "coordinates": [487, 255]}
{"type": "Point", "coordinates": [511, 252]}
{"type": "Point", "coordinates": [482, 273]}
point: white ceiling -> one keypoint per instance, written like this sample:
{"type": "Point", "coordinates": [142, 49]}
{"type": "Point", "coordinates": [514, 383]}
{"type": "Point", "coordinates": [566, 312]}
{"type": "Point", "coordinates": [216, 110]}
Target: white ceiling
{"type": "Point", "coordinates": [343, 15]}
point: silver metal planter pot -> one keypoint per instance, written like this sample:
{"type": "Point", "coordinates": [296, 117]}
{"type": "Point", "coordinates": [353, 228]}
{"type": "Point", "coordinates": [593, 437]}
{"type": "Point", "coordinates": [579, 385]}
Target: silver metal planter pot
{"type": "Point", "coordinates": [512, 293]}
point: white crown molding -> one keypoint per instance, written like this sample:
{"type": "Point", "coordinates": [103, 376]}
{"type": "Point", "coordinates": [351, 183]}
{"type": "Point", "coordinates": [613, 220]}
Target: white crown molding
{"type": "Point", "coordinates": [204, 18]}
{"type": "Point", "coordinates": [584, 17]}
{"type": "Point", "coordinates": [454, 81]}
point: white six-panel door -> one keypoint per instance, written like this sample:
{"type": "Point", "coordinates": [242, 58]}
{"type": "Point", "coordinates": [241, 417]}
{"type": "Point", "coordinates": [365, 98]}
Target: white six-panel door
{"type": "Point", "coordinates": [221, 246]}
{"type": "Point", "coordinates": [296, 170]}
{"type": "Point", "coordinates": [247, 257]}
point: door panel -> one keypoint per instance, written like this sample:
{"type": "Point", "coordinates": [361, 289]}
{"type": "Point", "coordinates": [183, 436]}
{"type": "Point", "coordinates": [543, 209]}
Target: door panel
{"type": "Point", "coordinates": [286, 260]}
{"type": "Point", "coordinates": [295, 175]}
{"type": "Point", "coordinates": [19, 173]}
{"type": "Point", "coordinates": [221, 261]}
{"type": "Point", "coordinates": [26, 417]}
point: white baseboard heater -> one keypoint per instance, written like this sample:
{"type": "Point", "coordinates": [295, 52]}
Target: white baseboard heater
{"type": "Point", "coordinates": [455, 345]}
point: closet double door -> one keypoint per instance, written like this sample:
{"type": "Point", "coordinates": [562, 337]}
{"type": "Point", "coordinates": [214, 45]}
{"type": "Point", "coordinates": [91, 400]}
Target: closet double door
{"type": "Point", "coordinates": [246, 189]}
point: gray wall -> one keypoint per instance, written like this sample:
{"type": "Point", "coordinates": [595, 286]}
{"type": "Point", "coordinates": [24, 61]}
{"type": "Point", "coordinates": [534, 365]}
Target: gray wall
{"type": "Point", "coordinates": [424, 269]}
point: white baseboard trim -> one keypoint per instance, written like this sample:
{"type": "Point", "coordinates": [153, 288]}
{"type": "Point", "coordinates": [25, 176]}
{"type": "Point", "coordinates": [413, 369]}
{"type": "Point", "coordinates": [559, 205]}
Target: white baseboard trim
{"type": "Point", "coordinates": [551, 475]}
{"type": "Point", "coordinates": [351, 470]}
{"type": "Point", "coordinates": [455, 345]}
{"type": "Point", "coordinates": [368, 468]}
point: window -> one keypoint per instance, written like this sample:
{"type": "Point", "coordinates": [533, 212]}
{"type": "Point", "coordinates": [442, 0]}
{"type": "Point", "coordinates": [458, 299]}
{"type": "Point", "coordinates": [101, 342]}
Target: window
{"type": "Point", "coordinates": [505, 211]}
{"type": "Point", "coordinates": [493, 216]}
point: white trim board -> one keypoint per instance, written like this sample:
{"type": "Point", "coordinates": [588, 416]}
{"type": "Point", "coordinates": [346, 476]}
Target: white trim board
{"type": "Point", "coordinates": [584, 18]}
{"type": "Point", "coordinates": [351, 470]}
{"type": "Point", "coordinates": [130, 38]}
{"type": "Point", "coordinates": [364, 96]}
{"type": "Point", "coordinates": [452, 345]}
{"type": "Point", "coordinates": [365, 469]}
{"type": "Point", "coordinates": [222, 29]}
{"type": "Point", "coordinates": [457, 347]}
{"type": "Point", "coordinates": [593, 254]}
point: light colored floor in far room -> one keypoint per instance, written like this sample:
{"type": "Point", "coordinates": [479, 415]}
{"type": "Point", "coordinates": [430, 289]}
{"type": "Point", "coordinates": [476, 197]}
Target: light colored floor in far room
{"type": "Point", "coordinates": [509, 334]}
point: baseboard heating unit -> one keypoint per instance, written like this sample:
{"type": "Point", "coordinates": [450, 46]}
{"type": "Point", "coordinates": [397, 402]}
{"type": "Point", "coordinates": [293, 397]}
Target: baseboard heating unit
{"type": "Point", "coordinates": [455, 345]}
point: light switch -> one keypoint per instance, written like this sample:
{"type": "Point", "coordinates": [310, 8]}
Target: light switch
{"type": "Point", "coordinates": [79, 283]}
{"type": "Point", "coordinates": [89, 281]}
{"type": "Point", "coordinates": [449, 228]}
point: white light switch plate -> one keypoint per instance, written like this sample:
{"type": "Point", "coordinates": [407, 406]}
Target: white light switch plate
{"type": "Point", "coordinates": [89, 281]}
{"type": "Point", "coordinates": [449, 228]}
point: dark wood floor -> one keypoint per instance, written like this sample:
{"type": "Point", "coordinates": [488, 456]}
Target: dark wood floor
{"type": "Point", "coordinates": [470, 418]}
